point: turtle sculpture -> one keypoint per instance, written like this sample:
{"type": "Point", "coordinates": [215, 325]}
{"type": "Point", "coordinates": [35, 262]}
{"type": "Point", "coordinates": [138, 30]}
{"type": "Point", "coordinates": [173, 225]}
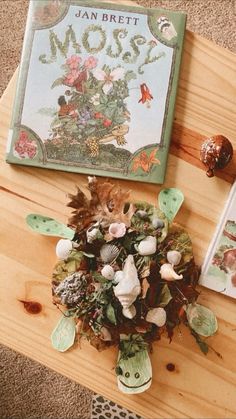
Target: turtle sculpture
{"type": "Point", "coordinates": [125, 277]}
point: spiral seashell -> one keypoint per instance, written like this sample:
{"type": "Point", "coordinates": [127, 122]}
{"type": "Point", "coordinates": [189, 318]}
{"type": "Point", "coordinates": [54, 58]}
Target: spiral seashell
{"type": "Point", "coordinates": [129, 312]}
{"type": "Point", "coordinates": [174, 257]}
{"type": "Point", "coordinates": [147, 246]}
{"type": "Point", "coordinates": [63, 248]}
{"type": "Point", "coordinates": [92, 233]}
{"type": "Point", "coordinates": [109, 253]}
{"type": "Point", "coordinates": [156, 316]}
{"type": "Point", "coordinates": [129, 286]}
{"type": "Point", "coordinates": [167, 272]}
{"type": "Point", "coordinates": [108, 272]}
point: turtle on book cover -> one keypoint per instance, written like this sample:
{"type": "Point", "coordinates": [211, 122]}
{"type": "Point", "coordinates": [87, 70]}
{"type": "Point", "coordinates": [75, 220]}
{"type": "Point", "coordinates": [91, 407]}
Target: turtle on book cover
{"type": "Point", "coordinates": [96, 89]}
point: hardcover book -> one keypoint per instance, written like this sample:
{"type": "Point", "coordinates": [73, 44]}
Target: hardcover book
{"type": "Point", "coordinates": [96, 89]}
{"type": "Point", "coordinates": [219, 268]}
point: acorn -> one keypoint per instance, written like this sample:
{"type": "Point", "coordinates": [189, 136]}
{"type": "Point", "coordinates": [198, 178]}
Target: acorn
{"type": "Point", "coordinates": [216, 152]}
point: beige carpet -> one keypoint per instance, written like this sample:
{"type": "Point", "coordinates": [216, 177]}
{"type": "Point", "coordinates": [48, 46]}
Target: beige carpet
{"type": "Point", "coordinates": [27, 389]}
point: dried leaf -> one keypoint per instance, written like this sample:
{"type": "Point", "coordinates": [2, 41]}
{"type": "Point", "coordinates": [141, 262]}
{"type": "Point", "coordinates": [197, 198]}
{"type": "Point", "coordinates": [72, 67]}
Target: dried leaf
{"type": "Point", "coordinates": [108, 204]}
{"type": "Point", "coordinates": [145, 287]}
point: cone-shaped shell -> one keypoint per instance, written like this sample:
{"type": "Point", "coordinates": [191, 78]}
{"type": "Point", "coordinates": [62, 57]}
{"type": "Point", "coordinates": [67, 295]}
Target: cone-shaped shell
{"type": "Point", "coordinates": [157, 316]}
{"type": "Point", "coordinates": [109, 252]}
{"type": "Point", "coordinates": [129, 286]}
{"type": "Point", "coordinates": [167, 272]}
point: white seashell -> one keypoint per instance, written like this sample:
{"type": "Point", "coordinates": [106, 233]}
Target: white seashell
{"type": "Point", "coordinates": [157, 316]}
{"type": "Point", "coordinates": [105, 334]}
{"type": "Point", "coordinates": [117, 230]}
{"type": "Point", "coordinates": [157, 223]}
{"type": "Point", "coordinates": [129, 312]}
{"type": "Point", "coordinates": [129, 286]}
{"type": "Point", "coordinates": [63, 248]}
{"type": "Point", "coordinates": [167, 272]}
{"type": "Point", "coordinates": [118, 276]}
{"type": "Point", "coordinates": [174, 257]}
{"type": "Point", "coordinates": [109, 252]}
{"type": "Point", "coordinates": [92, 233]}
{"type": "Point", "coordinates": [108, 272]}
{"type": "Point", "coordinates": [147, 246]}
{"type": "Point", "coordinates": [142, 214]}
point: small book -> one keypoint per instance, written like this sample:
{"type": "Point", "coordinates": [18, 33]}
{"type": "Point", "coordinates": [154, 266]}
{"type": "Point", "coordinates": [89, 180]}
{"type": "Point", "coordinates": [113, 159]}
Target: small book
{"type": "Point", "coordinates": [219, 268]}
{"type": "Point", "coordinates": [97, 88]}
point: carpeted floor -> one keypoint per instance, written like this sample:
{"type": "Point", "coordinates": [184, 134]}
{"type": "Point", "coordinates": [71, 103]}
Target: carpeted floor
{"type": "Point", "coordinates": [27, 389]}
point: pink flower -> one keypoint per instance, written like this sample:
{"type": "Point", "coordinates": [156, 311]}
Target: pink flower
{"type": "Point", "coordinates": [71, 77]}
{"type": "Point", "coordinates": [90, 63]}
{"type": "Point", "coordinates": [23, 135]}
{"type": "Point", "coordinates": [117, 230]}
{"type": "Point", "coordinates": [107, 123]}
{"type": "Point", "coordinates": [25, 147]}
{"type": "Point", "coordinates": [73, 62]}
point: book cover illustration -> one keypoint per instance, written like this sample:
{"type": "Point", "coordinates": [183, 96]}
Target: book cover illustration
{"type": "Point", "coordinates": [96, 89]}
{"type": "Point", "coordinates": [219, 269]}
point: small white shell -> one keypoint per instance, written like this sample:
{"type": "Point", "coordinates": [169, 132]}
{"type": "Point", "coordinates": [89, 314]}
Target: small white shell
{"type": "Point", "coordinates": [63, 248]}
{"type": "Point", "coordinates": [129, 312]}
{"type": "Point", "coordinates": [105, 334]}
{"type": "Point", "coordinates": [157, 223]}
{"type": "Point", "coordinates": [157, 316]}
{"type": "Point", "coordinates": [117, 230]}
{"type": "Point", "coordinates": [174, 257]}
{"type": "Point", "coordinates": [147, 246]}
{"type": "Point", "coordinates": [142, 214]}
{"type": "Point", "coordinates": [167, 272]}
{"type": "Point", "coordinates": [108, 272]}
{"type": "Point", "coordinates": [92, 233]}
{"type": "Point", "coordinates": [109, 252]}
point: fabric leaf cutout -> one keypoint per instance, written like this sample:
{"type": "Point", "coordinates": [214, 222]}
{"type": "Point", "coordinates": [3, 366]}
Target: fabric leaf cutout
{"type": "Point", "coordinates": [63, 336]}
{"type": "Point", "coordinates": [48, 226]}
{"type": "Point", "coordinates": [170, 201]}
{"type": "Point", "coordinates": [201, 319]}
{"type": "Point", "coordinates": [111, 314]}
{"type": "Point", "coordinates": [165, 296]}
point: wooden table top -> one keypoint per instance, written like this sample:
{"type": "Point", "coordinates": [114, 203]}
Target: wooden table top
{"type": "Point", "coordinates": [201, 386]}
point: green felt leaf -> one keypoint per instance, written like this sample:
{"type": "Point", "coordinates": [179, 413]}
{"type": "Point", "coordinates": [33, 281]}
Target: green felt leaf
{"type": "Point", "coordinates": [110, 312]}
{"type": "Point", "coordinates": [63, 336]}
{"type": "Point", "coordinates": [165, 296]}
{"type": "Point", "coordinates": [170, 201]}
{"type": "Point", "coordinates": [134, 369]}
{"type": "Point", "coordinates": [49, 226]}
{"type": "Point", "coordinates": [202, 320]}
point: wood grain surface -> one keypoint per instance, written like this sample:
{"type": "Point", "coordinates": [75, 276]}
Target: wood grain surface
{"type": "Point", "coordinates": [201, 386]}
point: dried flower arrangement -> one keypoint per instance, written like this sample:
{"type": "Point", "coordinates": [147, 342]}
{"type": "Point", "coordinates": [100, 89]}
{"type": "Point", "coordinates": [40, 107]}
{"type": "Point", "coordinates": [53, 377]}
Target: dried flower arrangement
{"type": "Point", "coordinates": [126, 275]}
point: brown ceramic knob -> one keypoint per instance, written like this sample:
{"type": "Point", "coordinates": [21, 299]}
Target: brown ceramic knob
{"type": "Point", "coordinates": [216, 152]}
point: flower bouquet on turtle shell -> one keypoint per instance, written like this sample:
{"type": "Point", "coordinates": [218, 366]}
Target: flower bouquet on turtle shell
{"type": "Point", "coordinates": [125, 277]}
